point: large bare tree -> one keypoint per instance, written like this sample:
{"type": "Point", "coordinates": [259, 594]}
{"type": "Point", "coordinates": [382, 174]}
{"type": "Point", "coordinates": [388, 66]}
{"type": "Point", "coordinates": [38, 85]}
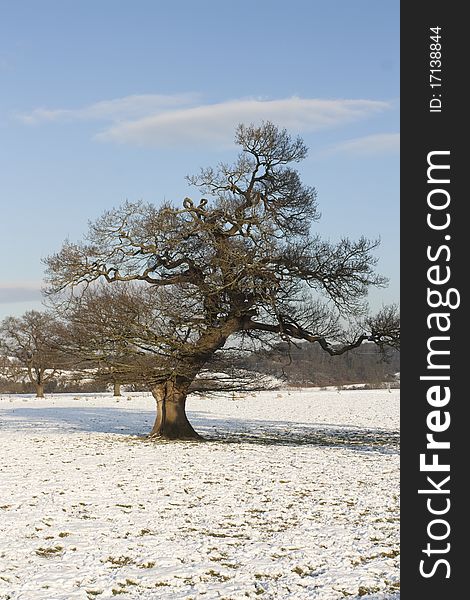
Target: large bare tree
{"type": "Point", "coordinates": [239, 263]}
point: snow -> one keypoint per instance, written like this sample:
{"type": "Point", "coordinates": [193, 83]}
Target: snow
{"type": "Point", "coordinates": [294, 496]}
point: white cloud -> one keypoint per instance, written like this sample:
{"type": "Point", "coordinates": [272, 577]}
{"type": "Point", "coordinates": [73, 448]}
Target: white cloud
{"type": "Point", "coordinates": [216, 122]}
{"type": "Point", "coordinates": [381, 143]}
{"type": "Point", "coordinates": [162, 120]}
{"type": "Point", "coordinates": [128, 107]}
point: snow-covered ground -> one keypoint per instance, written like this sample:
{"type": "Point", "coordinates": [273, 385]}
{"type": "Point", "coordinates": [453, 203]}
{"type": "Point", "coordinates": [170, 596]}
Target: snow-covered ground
{"type": "Point", "coordinates": [295, 496]}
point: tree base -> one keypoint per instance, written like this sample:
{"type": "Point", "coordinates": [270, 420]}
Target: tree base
{"type": "Point", "coordinates": [171, 422]}
{"type": "Point", "coordinates": [173, 437]}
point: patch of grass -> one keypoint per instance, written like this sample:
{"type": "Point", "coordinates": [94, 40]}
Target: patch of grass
{"type": "Point", "coordinates": [122, 586]}
{"type": "Point", "coordinates": [390, 554]}
{"type": "Point", "coordinates": [363, 591]}
{"type": "Point", "coordinates": [148, 565]}
{"type": "Point", "coordinates": [215, 558]}
{"type": "Point", "coordinates": [225, 535]}
{"type": "Point", "coordinates": [231, 565]}
{"type": "Point", "coordinates": [93, 593]}
{"type": "Point", "coordinates": [48, 552]}
{"type": "Point", "coordinates": [162, 584]}
{"type": "Point", "coordinates": [359, 561]}
{"type": "Point", "coordinates": [217, 575]}
{"type": "Point", "coordinates": [120, 561]}
{"type": "Point", "coordinates": [301, 572]}
{"type": "Point", "coordinates": [392, 585]}
{"type": "Point", "coordinates": [63, 534]}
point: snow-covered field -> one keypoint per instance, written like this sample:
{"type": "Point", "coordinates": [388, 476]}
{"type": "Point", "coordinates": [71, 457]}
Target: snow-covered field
{"type": "Point", "coordinates": [295, 496]}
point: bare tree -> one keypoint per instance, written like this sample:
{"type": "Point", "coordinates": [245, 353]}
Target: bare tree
{"type": "Point", "coordinates": [95, 333]}
{"type": "Point", "coordinates": [240, 263]}
{"type": "Point", "coordinates": [30, 345]}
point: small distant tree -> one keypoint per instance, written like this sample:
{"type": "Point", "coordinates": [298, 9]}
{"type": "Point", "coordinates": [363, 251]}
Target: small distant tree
{"type": "Point", "coordinates": [99, 332]}
{"type": "Point", "coordinates": [30, 345]}
{"type": "Point", "coordinates": [239, 264]}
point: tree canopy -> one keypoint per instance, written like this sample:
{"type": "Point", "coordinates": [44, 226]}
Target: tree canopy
{"type": "Point", "coordinates": [238, 263]}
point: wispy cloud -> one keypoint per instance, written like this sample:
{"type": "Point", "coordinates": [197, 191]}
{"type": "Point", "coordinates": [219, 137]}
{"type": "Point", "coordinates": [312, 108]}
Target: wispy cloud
{"type": "Point", "coordinates": [381, 143]}
{"type": "Point", "coordinates": [216, 122]}
{"type": "Point", "coordinates": [162, 120]}
{"type": "Point", "coordinates": [13, 293]}
{"type": "Point", "coordinates": [128, 107]}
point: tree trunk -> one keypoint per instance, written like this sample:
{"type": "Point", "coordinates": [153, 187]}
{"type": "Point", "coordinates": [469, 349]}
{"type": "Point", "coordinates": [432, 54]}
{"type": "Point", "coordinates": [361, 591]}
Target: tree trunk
{"type": "Point", "coordinates": [171, 422]}
{"type": "Point", "coordinates": [39, 390]}
{"type": "Point", "coordinates": [116, 389]}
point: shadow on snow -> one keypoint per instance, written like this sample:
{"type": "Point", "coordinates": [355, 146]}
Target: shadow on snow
{"type": "Point", "coordinates": [214, 429]}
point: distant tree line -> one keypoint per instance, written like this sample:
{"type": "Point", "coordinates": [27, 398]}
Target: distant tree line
{"type": "Point", "coordinates": [308, 365]}
{"type": "Point", "coordinates": [43, 354]}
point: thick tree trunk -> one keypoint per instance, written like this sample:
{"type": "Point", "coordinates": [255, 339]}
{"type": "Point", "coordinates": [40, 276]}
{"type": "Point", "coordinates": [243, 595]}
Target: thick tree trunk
{"type": "Point", "coordinates": [39, 390]}
{"type": "Point", "coordinates": [171, 422]}
{"type": "Point", "coordinates": [116, 389]}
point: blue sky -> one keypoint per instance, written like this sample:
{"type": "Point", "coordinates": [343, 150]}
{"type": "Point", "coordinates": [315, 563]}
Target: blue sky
{"type": "Point", "coordinates": [103, 101]}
